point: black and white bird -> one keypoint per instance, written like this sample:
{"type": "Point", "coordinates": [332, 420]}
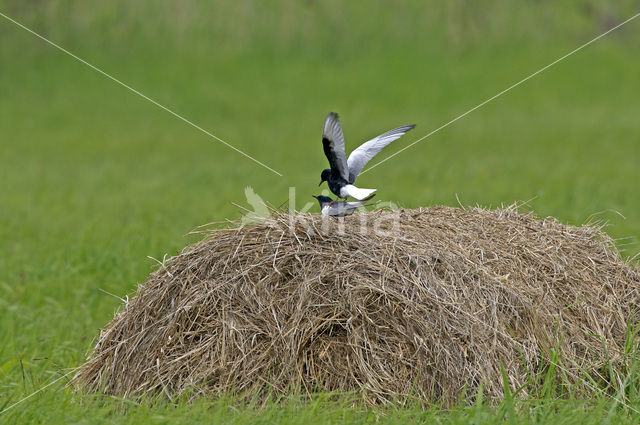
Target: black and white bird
{"type": "Point", "coordinates": [343, 172]}
{"type": "Point", "coordinates": [339, 208]}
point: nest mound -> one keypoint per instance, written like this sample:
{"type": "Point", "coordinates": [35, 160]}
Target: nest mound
{"type": "Point", "coordinates": [423, 303]}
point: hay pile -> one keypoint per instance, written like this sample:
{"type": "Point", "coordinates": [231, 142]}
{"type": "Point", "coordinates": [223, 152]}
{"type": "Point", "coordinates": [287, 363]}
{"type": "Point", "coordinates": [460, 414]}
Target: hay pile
{"type": "Point", "coordinates": [425, 302]}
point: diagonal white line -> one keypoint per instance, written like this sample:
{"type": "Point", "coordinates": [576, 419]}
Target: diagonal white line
{"type": "Point", "coordinates": [391, 156]}
{"type": "Point", "coordinates": [503, 91]}
{"type": "Point", "coordinates": [140, 94]}
{"type": "Point", "coordinates": [36, 392]}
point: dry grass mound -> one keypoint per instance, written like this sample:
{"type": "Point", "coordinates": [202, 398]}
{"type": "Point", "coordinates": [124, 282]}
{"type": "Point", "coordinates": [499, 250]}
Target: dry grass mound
{"type": "Point", "coordinates": [422, 303]}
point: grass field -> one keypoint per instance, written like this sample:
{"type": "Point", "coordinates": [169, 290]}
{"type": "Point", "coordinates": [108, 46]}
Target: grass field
{"type": "Point", "coordinates": [93, 179]}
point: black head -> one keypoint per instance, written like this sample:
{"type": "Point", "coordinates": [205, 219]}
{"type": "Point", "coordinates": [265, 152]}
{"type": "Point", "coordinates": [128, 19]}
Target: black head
{"type": "Point", "coordinates": [322, 200]}
{"type": "Point", "coordinates": [326, 173]}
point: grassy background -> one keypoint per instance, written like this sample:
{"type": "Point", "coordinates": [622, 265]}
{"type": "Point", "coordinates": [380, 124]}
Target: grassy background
{"type": "Point", "coordinates": [94, 179]}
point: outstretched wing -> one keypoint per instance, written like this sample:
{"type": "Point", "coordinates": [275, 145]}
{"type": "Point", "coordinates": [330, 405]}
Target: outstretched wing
{"type": "Point", "coordinates": [355, 204]}
{"type": "Point", "coordinates": [333, 143]}
{"type": "Point", "coordinates": [358, 204]}
{"type": "Point", "coordinates": [363, 154]}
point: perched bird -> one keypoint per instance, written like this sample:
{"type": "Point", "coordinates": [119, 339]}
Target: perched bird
{"type": "Point", "coordinates": [339, 209]}
{"type": "Point", "coordinates": [343, 172]}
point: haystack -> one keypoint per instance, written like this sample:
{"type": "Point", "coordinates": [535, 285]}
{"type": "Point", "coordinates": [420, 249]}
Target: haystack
{"type": "Point", "coordinates": [426, 303]}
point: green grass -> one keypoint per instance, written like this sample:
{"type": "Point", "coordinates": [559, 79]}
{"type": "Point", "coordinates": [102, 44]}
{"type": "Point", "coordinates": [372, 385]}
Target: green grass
{"type": "Point", "coordinates": [57, 408]}
{"type": "Point", "coordinates": [94, 179]}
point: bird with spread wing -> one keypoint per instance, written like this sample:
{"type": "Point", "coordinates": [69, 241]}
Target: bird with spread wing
{"type": "Point", "coordinates": [344, 171]}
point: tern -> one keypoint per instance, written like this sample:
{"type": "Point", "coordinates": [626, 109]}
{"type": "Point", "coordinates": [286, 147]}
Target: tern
{"type": "Point", "coordinates": [343, 172]}
{"type": "Point", "coordinates": [339, 208]}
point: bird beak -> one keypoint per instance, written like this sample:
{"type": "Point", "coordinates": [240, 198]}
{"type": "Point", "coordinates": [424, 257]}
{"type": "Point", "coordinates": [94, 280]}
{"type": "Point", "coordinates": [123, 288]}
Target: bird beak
{"type": "Point", "coordinates": [320, 184]}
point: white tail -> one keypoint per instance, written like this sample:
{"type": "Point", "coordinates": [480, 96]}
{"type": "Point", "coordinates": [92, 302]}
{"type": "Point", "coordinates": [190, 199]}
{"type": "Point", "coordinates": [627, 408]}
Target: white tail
{"type": "Point", "coordinates": [355, 192]}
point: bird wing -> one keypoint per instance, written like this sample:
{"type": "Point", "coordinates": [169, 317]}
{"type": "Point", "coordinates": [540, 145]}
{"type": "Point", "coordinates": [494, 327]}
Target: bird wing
{"type": "Point", "coordinates": [333, 143]}
{"type": "Point", "coordinates": [363, 154]}
{"type": "Point", "coordinates": [355, 204]}
{"type": "Point", "coordinates": [340, 209]}
{"type": "Point", "coordinates": [359, 203]}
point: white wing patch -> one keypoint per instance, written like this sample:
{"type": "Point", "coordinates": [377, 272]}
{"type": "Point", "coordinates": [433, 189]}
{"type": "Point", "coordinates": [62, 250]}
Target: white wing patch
{"type": "Point", "coordinates": [355, 192]}
{"type": "Point", "coordinates": [363, 154]}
